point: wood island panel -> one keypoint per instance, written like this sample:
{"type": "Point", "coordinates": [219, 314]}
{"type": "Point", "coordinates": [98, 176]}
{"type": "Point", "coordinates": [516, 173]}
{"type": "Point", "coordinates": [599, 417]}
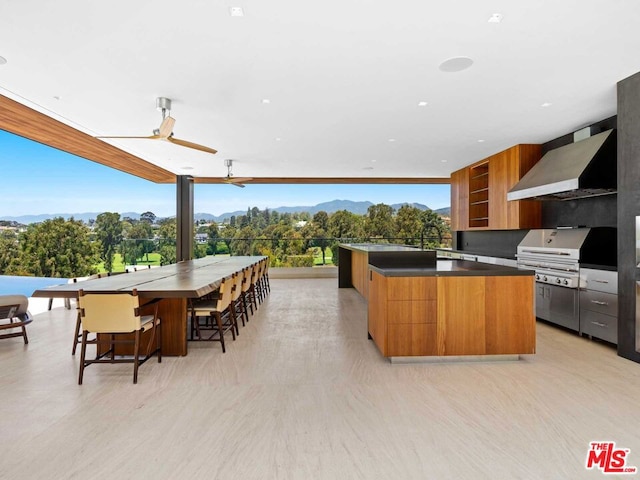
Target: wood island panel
{"type": "Point", "coordinates": [377, 318]}
{"type": "Point", "coordinates": [418, 339]}
{"type": "Point", "coordinates": [411, 288]}
{"type": "Point", "coordinates": [360, 272]}
{"type": "Point", "coordinates": [407, 311]}
{"type": "Point", "coordinates": [509, 328]}
{"type": "Point", "coordinates": [461, 315]}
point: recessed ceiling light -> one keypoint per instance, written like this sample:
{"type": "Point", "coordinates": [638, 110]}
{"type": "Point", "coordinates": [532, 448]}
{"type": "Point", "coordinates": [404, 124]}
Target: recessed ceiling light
{"type": "Point", "coordinates": [444, 161]}
{"type": "Point", "coordinates": [56, 97]}
{"type": "Point", "coordinates": [495, 18]}
{"type": "Point", "coordinates": [368, 168]}
{"type": "Point", "coordinates": [422, 104]}
{"type": "Point", "coordinates": [374, 161]}
{"type": "Point", "coordinates": [187, 167]}
{"type": "Point", "coordinates": [546, 104]}
{"type": "Point", "coordinates": [392, 139]}
{"type": "Point", "coordinates": [277, 139]}
{"type": "Point", "coordinates": [3, 60]}
{"type": "Point", "coordinates": [481, 141]}
{"type": "Point", "coordinates": [236, 12]}
{"type": "Point", "coordinates": [456, 64]}
{"type": "Point", "coordinates": [266, 100]}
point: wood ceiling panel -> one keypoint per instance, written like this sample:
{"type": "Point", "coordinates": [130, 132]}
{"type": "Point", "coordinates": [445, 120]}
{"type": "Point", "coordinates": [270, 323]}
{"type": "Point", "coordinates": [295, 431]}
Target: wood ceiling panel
{"type": "Point", "coordinates": [333, 180]}
{"type": "Point", "coordinates": [26, 122]}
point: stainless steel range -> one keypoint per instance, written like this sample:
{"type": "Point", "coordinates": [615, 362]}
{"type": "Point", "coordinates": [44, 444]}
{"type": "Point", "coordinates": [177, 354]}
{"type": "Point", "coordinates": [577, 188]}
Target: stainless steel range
{"type": "Point", "coordinates": [555, 255]}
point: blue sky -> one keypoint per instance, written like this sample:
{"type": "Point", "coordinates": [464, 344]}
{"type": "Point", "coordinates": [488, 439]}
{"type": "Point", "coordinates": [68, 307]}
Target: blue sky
{"type": "Point", "coordinates": [39, 179]}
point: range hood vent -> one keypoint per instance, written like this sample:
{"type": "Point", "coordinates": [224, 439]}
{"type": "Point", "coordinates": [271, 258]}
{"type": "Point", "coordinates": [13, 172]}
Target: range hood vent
{"type": "Point", "coordinates": [586, 168]}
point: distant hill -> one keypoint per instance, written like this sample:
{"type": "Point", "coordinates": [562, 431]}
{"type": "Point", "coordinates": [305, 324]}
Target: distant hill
{"type": "Point", "coordinates": [85, 217]}
{"type": "Point", "coordinates": [359, 208]}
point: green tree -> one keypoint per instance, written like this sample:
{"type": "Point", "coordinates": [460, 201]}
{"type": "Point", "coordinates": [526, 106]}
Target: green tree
{"type": "Point", "coordinates": [379, 221]}
{"type": "Point", "coordinates": [435, 230]}
{"type": "Point", "coordinates": [409, 224]}
{"type": "Point", "coordinates": [108, 229]}
{"type": "Point", "coordinates": [321, 219]}
{"type": "Point", "coordinates": [346, 225]}
{"type": "Point", "coordinates": [148, 217]}
{"type": "Point", "coordinates": [58, 248]}
{"type": "Point", "coordinates": [212, 239]}
{"type": "Point", "coordinates": [139, 241]}
{"type": "Point", "coordinates": [242, 241]}
{"type": "Point", "coordinates": [167, 234]}
{"type": "Point", "coordinates": [9, 252]}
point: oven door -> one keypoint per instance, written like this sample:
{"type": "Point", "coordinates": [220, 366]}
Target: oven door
{"type": "Point", "coordinates": [558, 305]}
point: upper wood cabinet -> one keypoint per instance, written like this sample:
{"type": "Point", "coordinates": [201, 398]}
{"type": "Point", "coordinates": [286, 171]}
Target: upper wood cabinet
{"type": "Point", "coordinates": [479, 192]}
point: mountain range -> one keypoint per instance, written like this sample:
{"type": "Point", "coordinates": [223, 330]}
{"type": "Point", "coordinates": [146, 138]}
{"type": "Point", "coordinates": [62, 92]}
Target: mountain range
{"type": "Point", "coordinates": [359, 208]}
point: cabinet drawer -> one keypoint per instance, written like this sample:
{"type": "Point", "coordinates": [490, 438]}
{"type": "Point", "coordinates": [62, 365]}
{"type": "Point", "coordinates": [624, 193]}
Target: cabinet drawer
{"type": "Point", "coordinates": [411, 288]}
{"type": "Point", "coordinates": [599, 326]}
{"type": "Point", "coordinates": [600, 302]}
{"type": "Point", "coordinates": [600, 280]}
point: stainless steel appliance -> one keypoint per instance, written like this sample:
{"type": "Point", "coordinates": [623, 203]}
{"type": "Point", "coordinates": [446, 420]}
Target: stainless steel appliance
{"type": "Point", "coordinates": [555, 256]}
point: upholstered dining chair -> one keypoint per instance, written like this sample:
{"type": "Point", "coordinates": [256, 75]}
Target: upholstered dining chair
{"type": "Point", "coordinates": [204, 312]}
{"type": "Point", "coordinates": [115, 318]}
{"type": "Point", "coordinates": [13, 309]}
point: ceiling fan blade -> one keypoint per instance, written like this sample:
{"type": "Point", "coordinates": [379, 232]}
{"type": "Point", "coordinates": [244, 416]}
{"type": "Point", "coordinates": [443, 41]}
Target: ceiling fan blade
{"type": "Point", "coordinates": [195, 146]}
{"type": "Point", "coordinates": [237, 184]}
{"type": "Point", "coordinates": [166, 127]}
{"type": "Point", "coordinates": [150, 137]}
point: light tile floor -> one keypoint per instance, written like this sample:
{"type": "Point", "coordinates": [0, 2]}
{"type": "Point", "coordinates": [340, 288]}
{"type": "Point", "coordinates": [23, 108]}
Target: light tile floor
{"type": "Point", "coordinates": [302, 394]}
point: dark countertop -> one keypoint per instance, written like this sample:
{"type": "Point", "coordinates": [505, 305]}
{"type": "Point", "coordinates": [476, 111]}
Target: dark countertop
{"type": "Point", "coordinates": [479, 254]}
{"type": "Point", "coordinates": [370, 247]}
{"type": "Point", "coordinates": [453, 268]}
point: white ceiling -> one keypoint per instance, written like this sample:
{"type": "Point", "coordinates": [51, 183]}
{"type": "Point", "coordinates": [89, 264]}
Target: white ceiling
{"type": "Point", "coordinates": [343, 77]}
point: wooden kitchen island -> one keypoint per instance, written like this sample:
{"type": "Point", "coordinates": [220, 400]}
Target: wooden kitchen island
{"type": "Point", "coordinates": [444, 308]}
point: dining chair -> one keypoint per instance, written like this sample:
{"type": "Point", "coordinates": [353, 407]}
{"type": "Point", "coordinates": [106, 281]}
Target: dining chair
{"type": "Point", "coordinates": [237, 305]}
{"type": "Point", "coordinates": [115, 318]}
{"type": "Point", "coordinates": [204, 312]}
{"type": "Point", "coordinates": [13, 308]}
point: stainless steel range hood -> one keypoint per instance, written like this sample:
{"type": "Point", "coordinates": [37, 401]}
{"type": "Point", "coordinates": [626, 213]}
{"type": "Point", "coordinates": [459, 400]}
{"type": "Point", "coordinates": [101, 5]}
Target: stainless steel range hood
{"type": "Point", "coordinates": [585, 168]}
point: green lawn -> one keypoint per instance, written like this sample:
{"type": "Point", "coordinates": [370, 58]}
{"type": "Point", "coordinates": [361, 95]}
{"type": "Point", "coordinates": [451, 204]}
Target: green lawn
{"type": "Point", "coordinates": [328, 256]}
{"type": "Point", "coordinates": [118, 266]}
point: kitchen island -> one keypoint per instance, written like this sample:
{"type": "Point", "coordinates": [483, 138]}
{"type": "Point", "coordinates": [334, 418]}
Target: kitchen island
{"type": "Point", "coordinates": [444, 308]}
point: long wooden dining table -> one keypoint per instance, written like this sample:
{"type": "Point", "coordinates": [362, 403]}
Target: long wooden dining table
{"type": "Point", "coordinates": [173, 284]}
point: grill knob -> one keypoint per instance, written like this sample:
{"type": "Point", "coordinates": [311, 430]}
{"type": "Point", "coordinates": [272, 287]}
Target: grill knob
{"type": "Point", "coordinates": [557, 280]}
{"type": "Point", "coordinates": [544, 279]}
{"type": "Point", "coordinates": [566, 282]}
{"type": "Point", "coordinates": [537, 277]}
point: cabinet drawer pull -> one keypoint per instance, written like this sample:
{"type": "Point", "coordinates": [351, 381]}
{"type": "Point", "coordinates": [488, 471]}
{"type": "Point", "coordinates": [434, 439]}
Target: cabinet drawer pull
{"type": "Point", "coordinates": [599, 324]}
{"type": "Point", "coordinates": [601, 281]}
{"type": "Point", "coordinates": [598, 302]}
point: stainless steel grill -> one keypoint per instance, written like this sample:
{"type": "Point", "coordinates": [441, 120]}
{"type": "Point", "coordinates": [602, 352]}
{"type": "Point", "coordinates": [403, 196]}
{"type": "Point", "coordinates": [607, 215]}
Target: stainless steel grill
{"type": "Point", "coordinates": [555, 255]}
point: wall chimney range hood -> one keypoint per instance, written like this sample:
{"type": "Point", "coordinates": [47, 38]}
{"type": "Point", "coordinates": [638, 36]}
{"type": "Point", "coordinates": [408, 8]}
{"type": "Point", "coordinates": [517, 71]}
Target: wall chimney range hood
{"type": "Point", "coordinates": [585, 168]}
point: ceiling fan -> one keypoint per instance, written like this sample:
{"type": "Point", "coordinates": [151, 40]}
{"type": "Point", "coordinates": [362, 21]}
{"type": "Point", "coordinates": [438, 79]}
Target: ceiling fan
{"type": "Point", "coordinates": [165, 131]}
{"type": "Point", "coordinates": [236, 181]}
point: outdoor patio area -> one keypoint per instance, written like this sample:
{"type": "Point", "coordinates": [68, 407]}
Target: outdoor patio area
{"type": "Point", "coordinates": [303, 394]}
